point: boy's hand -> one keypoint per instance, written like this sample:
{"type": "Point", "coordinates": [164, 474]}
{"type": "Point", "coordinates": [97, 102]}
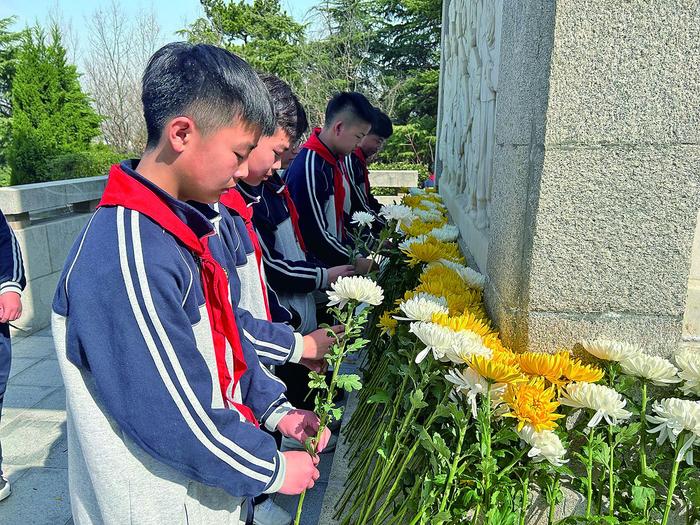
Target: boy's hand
{"type": "Point", "coordinates": [316, 365]}
{"type": "Point", "coordinates": [344, 270]}
{"type": "Point", "coordinates": [10, 307]}
{"type": "Point", "coordinates": [301, 472]}
{"type": "Point", "coordinates": [363, 266]}
{"type": "Point", "coordinates": [317, 343]}
{"type": "Point", "coordinates": [301, 425]}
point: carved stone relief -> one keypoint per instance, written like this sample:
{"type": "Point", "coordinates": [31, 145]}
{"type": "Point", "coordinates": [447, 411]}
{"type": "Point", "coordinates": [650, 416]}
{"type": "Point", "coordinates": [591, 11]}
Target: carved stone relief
{"type": "Point", "coordinates": [471, 51]}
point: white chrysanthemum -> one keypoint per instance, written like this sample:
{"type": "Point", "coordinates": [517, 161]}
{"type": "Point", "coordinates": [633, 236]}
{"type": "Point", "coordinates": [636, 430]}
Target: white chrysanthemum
{"type": "Point", "coordinates": [465, 345]}
{"type": "Point", "coordinates": [395, 212]}
{"type": "Point", "coordinates": [546, 445]}
{"type": "Point", "coordinates": [406, 243]}
{"type": "Point", "coordinates": [417, 191]}
{"type": "Point", "coordinates": [673, 416]}
{"type": "Point", "coordinates": [421, 308]}
{"type": "Point", "coordinates": [606, 402]}
{"type": "Point", "coordinates": [656, 369]}
{"type": "Point", "coordinates": [428, 215]}
{"type": "Point", "coordinates": [609, 350]}
{"type": "Point", "coordinates": [437, 339]}
{"type": "Point", "coordinates": [446, 233]}
{"type": "Point", "coordinates": [470, 385]}
{"type": "Point", "coordinates": [432, 205]}
{"type": "Point", "coordinates": [362, 218]}
{"type": "Point", "coordinates": [689, 362]}
{"type": "Point", "coordinates": [355, 288]}
{"type": "Point", "coordinates": [472, 278]}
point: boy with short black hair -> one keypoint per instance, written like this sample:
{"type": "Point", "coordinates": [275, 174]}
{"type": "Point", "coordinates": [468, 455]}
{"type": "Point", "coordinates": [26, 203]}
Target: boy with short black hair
{"type": "Point", "coordinates": [275, 217]}
{"type": "Point", "coordinates": [319, 185]}
{"type": "Point", "coordinates": [356, 165]}
{"type": "Point", "coordinates": [163, 396]}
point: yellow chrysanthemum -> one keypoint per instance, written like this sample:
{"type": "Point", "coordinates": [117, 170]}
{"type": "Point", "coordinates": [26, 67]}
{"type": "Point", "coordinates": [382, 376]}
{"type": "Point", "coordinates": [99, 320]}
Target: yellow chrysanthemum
{"type": "Point", "coordinates": [432, 250]}
{"type": "Point", "coordinates": [463, 322]}
{"type": "Point", "coordinates": [580, 373]}
{"type": "Point", "coordinates": [458, 299]}
{"type": "Point", "coordinates": [495, 371]}
{"type": "Point", "coordinates": [549, 366]}
{"type": "Point", "coordinates": [531, 403]}
{"type": "Point", "coordinates": [413, 201]}
{"type": "Point", "coordinates": [387, 323]}
{"type": "Point", "coordinates": [423, 252]}
{"type": "Point", "coordinates": [443, 274]}
{"type": "Point", "coordinates": [418, 227]}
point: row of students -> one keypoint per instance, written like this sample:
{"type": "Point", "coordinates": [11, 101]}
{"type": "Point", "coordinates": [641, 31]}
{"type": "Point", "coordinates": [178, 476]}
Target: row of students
{"type": "Point", "coordinates": [165, 321]}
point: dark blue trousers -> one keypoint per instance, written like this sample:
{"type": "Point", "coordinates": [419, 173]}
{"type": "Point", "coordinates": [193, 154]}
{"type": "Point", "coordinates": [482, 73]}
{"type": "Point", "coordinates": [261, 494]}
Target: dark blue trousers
{"type": "Point", "coordinates": [5, 358]}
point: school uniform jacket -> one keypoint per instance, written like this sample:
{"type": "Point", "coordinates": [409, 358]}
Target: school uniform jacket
{"type": "Point", "coordinates": [286, 266]}
{"type": "Point", "coordinates": [355, 165]}
{"type": "Point", "coordinates": [163, 397]}
{"type": "Point", "coordinates": [317, 186]}
{"type": "Point", "coordinates": [276, 343]}
{"type": "Point", "coordinates": [12, 277]}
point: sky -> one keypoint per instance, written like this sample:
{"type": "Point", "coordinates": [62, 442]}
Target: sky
{"type": "Point", "coordinates": [171, 14]}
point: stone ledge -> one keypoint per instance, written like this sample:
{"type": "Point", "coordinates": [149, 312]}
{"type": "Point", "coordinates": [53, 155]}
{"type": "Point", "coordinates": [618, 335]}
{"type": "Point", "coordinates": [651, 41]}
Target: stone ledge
{"type": "Point", "coordinates": [41, 196]}
{"type": "Point", "coordinates": [393, 178]}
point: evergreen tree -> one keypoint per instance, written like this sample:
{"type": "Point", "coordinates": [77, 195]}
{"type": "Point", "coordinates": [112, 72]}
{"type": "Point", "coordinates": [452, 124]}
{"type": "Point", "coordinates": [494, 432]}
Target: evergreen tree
{"type": "Point", "coordinates": [9, 44]}
{"type": "Point", "coordinates": [51, 116]}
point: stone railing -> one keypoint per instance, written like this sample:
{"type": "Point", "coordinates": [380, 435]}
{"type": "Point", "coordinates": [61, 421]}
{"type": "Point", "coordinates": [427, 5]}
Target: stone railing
{"type": "Point", "coordinates": [392, 179]}
{"type": "Point", "coordinates": [46, 217]}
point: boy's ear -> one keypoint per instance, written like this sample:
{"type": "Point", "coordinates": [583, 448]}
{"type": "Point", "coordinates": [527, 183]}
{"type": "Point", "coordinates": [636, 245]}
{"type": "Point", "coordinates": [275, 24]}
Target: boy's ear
{"type": "Point", "coordinates": [337, 127]}
{"type": "Point", "coordinates": [180, 132]}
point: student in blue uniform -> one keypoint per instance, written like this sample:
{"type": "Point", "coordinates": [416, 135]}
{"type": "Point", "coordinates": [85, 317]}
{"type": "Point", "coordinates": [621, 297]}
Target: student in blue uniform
{"type": "Point", "coordinates": [164, 396]}
{"type": "Point", "coordinates": [286, 267]}
{"type": "Point", "coordinates": [12, 282]}
{"type": "Point", "coordinates": [356, 166]}
{"type": "Point", "coordinates": [319, 185]}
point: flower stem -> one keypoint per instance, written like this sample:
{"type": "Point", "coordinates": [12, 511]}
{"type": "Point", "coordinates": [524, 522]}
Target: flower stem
{"type": "Point", "coordinates": [589, 473]}
{"type": "Point", "coordinates": [611, 472]}
{"type": "Point", "coordinates": [453, 466]}
{"type": "Point", "coordinates": [553, 500]}
{"type": "Point", "coordinates": [672, 482]}
{"type": "Point", "coordinates": [486, 448]}
{"type": "Point", "coordinates": [643, 430]}
{"type": "Point", "coordinates": [335, 362]}
{"type": "Point", "coordinates": [523, 505]}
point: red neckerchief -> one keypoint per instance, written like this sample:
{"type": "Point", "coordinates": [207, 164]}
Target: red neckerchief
{"type": "Point", "coordinates": [124, 190]}
{"type": "Point", "coordinates": [315, 144]}
{"type": "Point", "coordinates": [234, 200]}
{"type": "Point", "coordinates": [293, 215]}
{"type": "Point", "coordinates": [363, 161]}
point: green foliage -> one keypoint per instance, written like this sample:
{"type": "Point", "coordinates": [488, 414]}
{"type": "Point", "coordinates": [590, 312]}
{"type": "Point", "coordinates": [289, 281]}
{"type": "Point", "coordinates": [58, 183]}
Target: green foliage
{"type": "Point", "coordinates": [260, 32]}
{"type": "Point", "coordinates": [9, 45]}
{"type": "Point", "coordinates": [73, 165]}
{"type": "Point", "coordinates": [52, 116]}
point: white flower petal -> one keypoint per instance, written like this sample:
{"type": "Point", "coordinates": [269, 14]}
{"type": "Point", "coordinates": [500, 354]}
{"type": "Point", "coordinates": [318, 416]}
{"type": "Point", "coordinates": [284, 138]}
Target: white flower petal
{"type": "Point", "coordinates": [606, 402]}
{"type": "Point", "coordinates": [610, 350]}
{"type": "Point", "coordinates": [656, 369]}
{"type": "Point", "coordinates": [355, 288]}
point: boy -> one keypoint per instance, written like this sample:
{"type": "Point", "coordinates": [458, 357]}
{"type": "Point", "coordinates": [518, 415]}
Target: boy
{"type": "Point", "coordinates": [163, 396]}
{"type": "Point", "coordinates": [12, 282]}
{"type": "Point", "coordinates": [275, 217]}
{"type": "Point", "coordinates": [318, 184]}
{"type": "Point", "coordinates": [356, 165]}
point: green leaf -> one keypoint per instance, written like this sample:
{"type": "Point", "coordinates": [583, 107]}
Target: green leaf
{"type": "Point", "coordinates": [348, 382]}
{"type": "Point", "coordinates": [642, 498]}
{"type": "Point", "coordinates": [380, 397]}
{"type": "Point", "coordinates": [416, 399]}
{"type": "Point", "coordinates": [441, 446]}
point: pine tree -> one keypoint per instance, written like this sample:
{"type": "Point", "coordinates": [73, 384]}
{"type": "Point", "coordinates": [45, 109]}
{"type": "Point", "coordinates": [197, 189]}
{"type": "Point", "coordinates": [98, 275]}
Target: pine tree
{"type": "Point", "coordinates": [51, 114]}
